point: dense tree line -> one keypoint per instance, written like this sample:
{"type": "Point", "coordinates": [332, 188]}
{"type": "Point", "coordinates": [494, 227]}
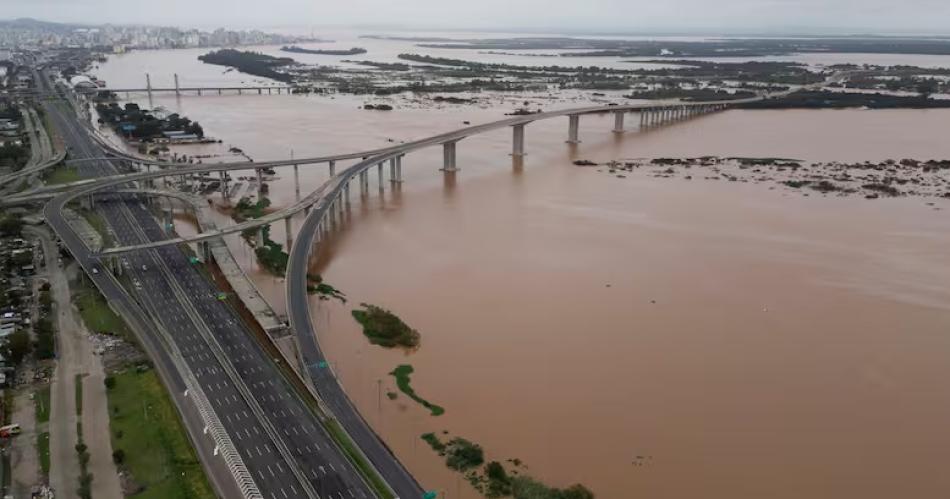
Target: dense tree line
{"type": "Point", "coordinates": [134, 122]}
{"type": "Point", "coordinates": [252, 63]}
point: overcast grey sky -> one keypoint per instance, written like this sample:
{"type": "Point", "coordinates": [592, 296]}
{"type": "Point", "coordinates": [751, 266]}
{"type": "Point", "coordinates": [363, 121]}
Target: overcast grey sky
{"type": "Point", "coordinates": [600, 15]}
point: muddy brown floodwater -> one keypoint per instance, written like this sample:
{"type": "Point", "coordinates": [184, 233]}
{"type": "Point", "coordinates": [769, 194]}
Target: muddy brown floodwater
{"type": "Point", "coordinates": [645, 337]}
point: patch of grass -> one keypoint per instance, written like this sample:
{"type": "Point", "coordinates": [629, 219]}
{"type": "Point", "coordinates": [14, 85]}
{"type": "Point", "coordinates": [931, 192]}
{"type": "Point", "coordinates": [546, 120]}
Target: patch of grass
{"type": "Point", "coordinates": [384, 328]}
{"type": "Point", "coordinates": [402, 373]}
{"type": "Point", "coordinates": [41, 403]}
{"type": "Point", "coordinates": [98, 224]}
{"type": "Point", "coordinates": [525, 487]}
{"type": "Point", "coordinates": [343, 440]}
{"type": "Point", "coordinates": [463, 455]}
{"type": "Point", "coordinates": [316, 286]}
{"type": "Point", "coordinates": [433, 440]}
{"type": "Point", "coordinates": [62, 175]}
{"type": "Point", "coordinates": [78, 387]}
{"type": "Point", "coordinates": [42, 448]}
{"type": "Point", "coordinates": [95, 311]}
{"type": "Point", "coordinates": [145, 426]}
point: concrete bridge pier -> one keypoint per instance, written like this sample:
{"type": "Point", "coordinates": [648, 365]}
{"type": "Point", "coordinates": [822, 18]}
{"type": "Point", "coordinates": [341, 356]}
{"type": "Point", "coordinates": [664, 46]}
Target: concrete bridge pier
{"type": "Point", "coordinates": [224, 184]}
{"type": "Point", "coordinates": [199, 92]}
{"type": "Point", "coordinates": [260, 92]}
{"type": "Point", "coordinates": [177, 88]}
{"type": "Point", "coordinates": [115, 266]}
{"type": "Point", "coordinates": [379, 175]}
{"type": "Point", "coordinates": [260, 184]}
{"type": "Point", "coordinates": [297, 182]}
{"type": "Point", "coordinates": [399, 168]}
{"type": "Point", "coordinates": [169, 225]}
{"type": "Point", "coordinates": [363, 184]}
{"type": "Point", "coordinates": [573, 129]}
{"type": "Point", "coordinates": [204, 249]}
{"type": "Point", "coordinates": [148, 85]}
{"type": "Point", "coordinates": [618, 121]}
{"type": "Point", "coordinates": [332, 168]}
{"type": "Point", "coordinates": [392, 170]}
{"type": "Point", "coordinates": [517, 140]}
{"type": "Point", "coordinates": [259, 237]}
{"type": "Point", "coordinates": [289, 230]}
{"type": "Point", "coordinates": [219, 91]}
{"type": "Point", "coordinates": [448, 157]}
{"type": "Point", "coordinates": [346, 192]}
{"type": "Point", "coordinates": [240, 92]}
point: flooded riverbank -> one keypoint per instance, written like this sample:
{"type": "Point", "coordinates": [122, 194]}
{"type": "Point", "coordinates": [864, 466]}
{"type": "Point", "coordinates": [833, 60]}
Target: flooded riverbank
{"type": "Point", "coordinates": [645, 337]}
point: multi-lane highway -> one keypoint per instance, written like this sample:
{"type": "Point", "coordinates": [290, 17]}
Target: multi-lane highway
{"type": "Point", "coordinates": [280, 441]}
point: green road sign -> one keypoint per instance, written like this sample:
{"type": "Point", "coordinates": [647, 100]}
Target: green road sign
{"type": "Point", "coordinates": [193, 259]}
{"type": "Point", "coordinates": [430, 495]}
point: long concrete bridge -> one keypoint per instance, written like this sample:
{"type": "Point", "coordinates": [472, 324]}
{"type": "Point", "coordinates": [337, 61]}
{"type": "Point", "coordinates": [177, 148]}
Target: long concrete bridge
{"type": "Point", "coordinates": [337, 191]}
{"type": "Point", "coordinates": [325, 210]}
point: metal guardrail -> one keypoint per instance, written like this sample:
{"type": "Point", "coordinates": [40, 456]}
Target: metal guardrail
{"type": "Point", "coordinates": [229, 369]}
{"type": "Point", "coordinates": [224, 444]}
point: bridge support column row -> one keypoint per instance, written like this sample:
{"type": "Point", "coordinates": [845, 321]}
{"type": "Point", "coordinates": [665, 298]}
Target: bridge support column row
{"type": "Point", "coordinates": [379, 175]}
{"type": "Point", "coordinates": [448, 157]}
{"type": "Point", "coordinates": [517, 140]}
{"type": "Point", "coordinates": [573, 129]}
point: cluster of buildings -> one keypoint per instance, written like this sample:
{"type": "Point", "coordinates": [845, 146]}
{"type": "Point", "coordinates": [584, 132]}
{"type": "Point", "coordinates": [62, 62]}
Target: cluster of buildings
{"type": "Point", "coordinates": [17, 297]}
{"type": "Point", "coordinates": [39, 34]}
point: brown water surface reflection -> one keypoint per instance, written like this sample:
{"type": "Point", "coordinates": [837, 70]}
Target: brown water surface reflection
{"type": "Point", "coordinates": [745, 342]}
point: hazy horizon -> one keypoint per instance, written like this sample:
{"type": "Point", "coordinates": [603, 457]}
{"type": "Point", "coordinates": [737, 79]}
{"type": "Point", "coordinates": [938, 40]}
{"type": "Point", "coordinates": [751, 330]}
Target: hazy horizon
{"type": "Point", "coordinates": [684, 17]}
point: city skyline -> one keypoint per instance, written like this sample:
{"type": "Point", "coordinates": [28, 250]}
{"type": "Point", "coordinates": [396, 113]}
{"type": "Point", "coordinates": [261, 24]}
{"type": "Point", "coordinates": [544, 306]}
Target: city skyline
{"type": "Point", "coordinates": [597, 16]}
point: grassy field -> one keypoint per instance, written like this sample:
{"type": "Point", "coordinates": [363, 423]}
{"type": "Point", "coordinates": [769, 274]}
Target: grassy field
{"type": "Point", "coordinates": [62, 175]}
{"type": "Point", "coordinates": [78, 386]}
{"type": "Point", "coordinates": [41, 401]}
{"type": "Point", "coordinates": [98, 224]}
{"type": "Point", "coordinates": [145, 426]}
{"type": "Point", "coordinates": [42, 448]}
{"type": "Point", "coordinates": [95, 312]}
{"type": "Point", "coordinates": [343, 440]}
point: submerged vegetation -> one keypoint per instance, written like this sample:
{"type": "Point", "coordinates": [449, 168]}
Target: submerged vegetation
{"type": "Point", "coordinates": [492, 479]}
{"type": "Point", "coordinates": [270, 254]}
{"type": "Point", "coordinates": [402, 374]}
{"type": "Point", "coordinates": [838, 100]}
{"type": "Point", "coordinates": [300, 50]}
{"type": "Point", "coordinates": [252, 63]}
{"type": "Point", "coordinates": [384, 328]}
{"type": "Point", "coordinates": [316, 286]}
